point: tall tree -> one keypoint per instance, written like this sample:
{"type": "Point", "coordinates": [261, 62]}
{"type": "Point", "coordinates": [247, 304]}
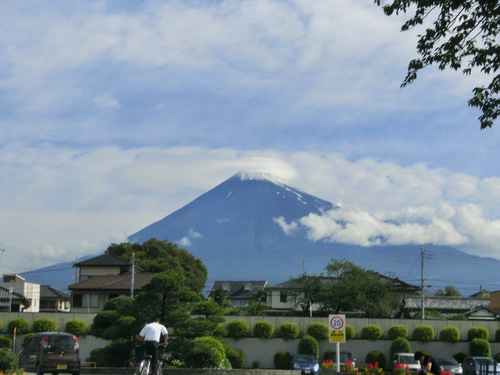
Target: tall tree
{"type": "Point", "coordinates": [352, 288]}
{"type": "Point", "coordinates": [449, 291]}
{"type": "Point", "coordinates": [158, 256]}
{"type": "Point", "coordinates": [463, 35]}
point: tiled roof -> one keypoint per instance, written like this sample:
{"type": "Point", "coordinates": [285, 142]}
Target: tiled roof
{"type": "Point", "coordinates": [290, 284]}
{"type": "Point", "coordinates": [446, 303]}
{"type": "Point", "coordinates": [4, 294]}
{"type": "Point", "coordinates": [112, 282]}
{"type": "Point", "coordinates": [48, 291]}
{"type": "Point", "coordinates": [103, 260]}
{"type": "Point", "coordinates": [239, 289]}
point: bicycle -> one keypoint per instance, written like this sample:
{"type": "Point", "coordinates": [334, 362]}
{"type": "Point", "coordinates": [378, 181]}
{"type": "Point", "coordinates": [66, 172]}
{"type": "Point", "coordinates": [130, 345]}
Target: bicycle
{"type": "Point", "coordinates": [145, 366]}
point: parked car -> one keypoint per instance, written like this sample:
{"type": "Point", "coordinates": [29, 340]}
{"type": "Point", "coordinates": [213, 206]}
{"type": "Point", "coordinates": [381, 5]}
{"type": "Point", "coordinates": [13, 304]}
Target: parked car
{"type": "Point", "coordinates": [407, 360]}
{"type": "Point", "coordinates": [307, 364]}
{"type": "Point", "coordinates": [450, 364]}
{"type": "Point", "coordinates": [344, 357]}
{"type": "Point", "coordinates": [480, 366]}
{"type": "Point", "coordinates": [54, 352]}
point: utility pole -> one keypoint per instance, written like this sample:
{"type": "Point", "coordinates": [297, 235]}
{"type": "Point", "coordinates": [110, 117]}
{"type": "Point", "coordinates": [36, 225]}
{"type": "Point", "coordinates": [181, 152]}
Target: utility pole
{"type": "Point", "coordinates": [422, 254]}
{"type": "Point", "coordinates": [132, 282]}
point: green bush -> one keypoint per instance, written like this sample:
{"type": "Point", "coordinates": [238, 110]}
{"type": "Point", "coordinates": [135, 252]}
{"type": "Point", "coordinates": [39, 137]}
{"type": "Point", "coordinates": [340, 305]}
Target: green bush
{"type": "Point", "coordinates": [8, 360]}
{"type": "Point", "coordinates": [396, 331]}
{"type": "Point", "coordinates": [318, 330]}
{"type": "Point", "coordinates": [119, 304]}
{"type": "Point", "coordinates": [282, 360]}
{"type": "Point", "coordinates": [309, 345]}
{"type": "Point", "coordinates": [115, 354]}
{"type": "Point", "coordinates": [289, 331]}
{"type": "Point", "coordinates": [5, 342]}
{"type": "Point", "coordinates": [450, 334]}
{"type": "Point", "coordinates": [22, 325]}
{"type": "Point", "coordinates": [376, 357]}
{"type": "Point", "coordinates": [256, 364]}
{"type": "Point", "coordinates": [103, 321]}
{"type": "Point", "coordinates": [206, 353]}
{"type": "Point", "coordinates": [496, 357]}
{"type": "Point", "coordinates": [238, 328]}
{"type": "Point", "coordinates": [480, 347]}
{"type": "Point", "coordinates": [423, 333]}
{"type": "Point", "coordinates": [371, 332]}
{"type": "Point", "coordinates": [44, 325]}
{"type": "Point", "coordinates": [350, 332]}
{"type": "Point", "coordinates": [77, 327]}
{"type": "Point", "coordinates": [477, 333]}
{"type": "Point", "coordinates": [236, 357]}
{"type": "Point", "coordinates": [458, 317]}
{"type": "Point", "coordinates": [400, 345]}
{"type": "Point", "coordinates": [1, 325]}
{"type": "Point", "coordinates": [263, 329]}
{"type": "Point", "coordinates": [122, 328]}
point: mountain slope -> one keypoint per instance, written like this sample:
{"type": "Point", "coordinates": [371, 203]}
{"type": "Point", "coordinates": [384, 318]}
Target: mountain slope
{"type": "Point", "coordinates": [233, 228]}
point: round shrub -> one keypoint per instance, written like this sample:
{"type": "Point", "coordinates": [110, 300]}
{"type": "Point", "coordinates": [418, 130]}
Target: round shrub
{"type": "Point", "coordinates": [1, 325]}
{"type": "Point", "coordinates": [480, 347]}
{"type": "Point", "coordinates": [5, 342]}
{"type": "Point", "coordinates": [350, 332]}
{"type": "Point", "coordinates": [77, 327]}
{"type": "Point", "coordinates": [115, 354]}
{"type": "Point", "coordinates": [206, 352]}
{"type": "Point", "coordinates": [450, 334]}
{"type": "Point", "coordinates": [44, 325]}
{"type": "Point", "coordinates": [309, 345]}
{"type": "Point", "coordinates": [318, 330]}
{"type": "Point", "coordinates": [376, 357]}
{"type": "Point", "coordinates": [371, 332]}
{"type": "Point", "coordinates": [423, 333]}
{"type": "Point", "coordinates": [497, 335]}
{"type": "Point", "coordinates": [8, 360]}
{"type": "Point", "coordinates": [21, 324]}
{"type": "Point", "coordinates": [238, 328]}
{"type": "Point", "coordinates": [396, 331]}
{"type": "Point", "coordinates": [477, 333]}
{"type": "Point", "coordinates": [400, 345]}
{"type": "Point", "coordinates": [289, 331]}
{"type": "Point", "coordinates": [103, 321]}
{"type": "Point", "coordinates": [263, 329]}
{"type": "Point", "coordinates": [236, 357]}
{"type": "Point", "coordinates": [282, 360]}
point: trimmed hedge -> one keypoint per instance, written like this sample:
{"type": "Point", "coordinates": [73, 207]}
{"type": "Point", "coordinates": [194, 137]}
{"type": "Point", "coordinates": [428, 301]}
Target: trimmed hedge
{"type": "Point", "coordinates": [396, 331]}
{"type": "Point", "coordinates": [477, 333]}
{"type": "Point", "coordinates": [450, 334]}
{"type": "Point", "coordinates": [8, 360]}
{"type": "Point", "coordinates": [238, 329]}
{"type": "Point", "coordinates": [318, 330]}
{"type": "Point", "coordinates": [371, 332]}
{"type": "Point", "coordinates": [22, 325]}
{"type": "Point", "coordinates": [282, 360]}
{"type": "Point", "coordinates": [376, 357]}
{"type": "Point", "coordinates": [350, 332]}
{"type": "Point", "coordinates": [289, 331]}
{"type": "Point", "coordinates": [480, 347]}
{"type": "Point", "coordinates": [44, 325]}
{"type": "Point", "coordinates": [309, 345]}
{"type": "Point", "coordinates": [263, 330]}
{"type": "Point", "coordinates": [77, 327]}
{"type": "Point", "coordinates": [5, 342]}
{"type": "Point", "coordinates": [400, 345]}
{"type": "Point", "coordinates": [423, 333]}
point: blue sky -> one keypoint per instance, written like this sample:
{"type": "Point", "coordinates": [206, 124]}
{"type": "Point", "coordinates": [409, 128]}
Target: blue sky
{"type": "Point", "coordinates": [113, 116]}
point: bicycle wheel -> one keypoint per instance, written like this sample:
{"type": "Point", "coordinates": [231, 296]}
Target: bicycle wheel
{"type": "Point", "coordinates": [144, 368]}
{"type": "Point", "coordinates": [159, 370]}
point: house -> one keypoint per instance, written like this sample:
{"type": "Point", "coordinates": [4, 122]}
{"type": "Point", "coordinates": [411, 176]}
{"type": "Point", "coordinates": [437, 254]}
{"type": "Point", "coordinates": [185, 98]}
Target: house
{"type": "Point", "coordinates": [105, 264]}
{"type": "Point", "coordinates": [21, 296]}
{"type": "Point", "coordinates": [239, 293]}
{"type": "Point", "coordinates": [447, 306]}
{"type": "Point", "coordinates": [102, 278]}
{"type": "Point", "coordinates": [91, 295]}
{"type": "Point", "coordinates": [54, 300]}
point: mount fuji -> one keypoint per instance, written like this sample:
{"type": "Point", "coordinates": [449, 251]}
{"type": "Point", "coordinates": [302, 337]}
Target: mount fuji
{"type": "Point", "coordinates": [241, 231]}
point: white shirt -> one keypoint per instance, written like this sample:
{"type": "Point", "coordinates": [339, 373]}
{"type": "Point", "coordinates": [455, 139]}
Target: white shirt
{"type": "Point", "coordinates": [153, 331]}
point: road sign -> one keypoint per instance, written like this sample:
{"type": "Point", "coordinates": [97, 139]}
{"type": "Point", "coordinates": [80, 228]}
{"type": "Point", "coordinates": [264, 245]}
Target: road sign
{"type": "Point", "coordinates": [336, 325]}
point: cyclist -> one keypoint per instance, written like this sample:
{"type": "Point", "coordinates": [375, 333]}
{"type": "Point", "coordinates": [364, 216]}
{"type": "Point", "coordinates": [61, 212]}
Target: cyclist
{"type": "Point", "coordinates": [138, 353]}
{"type": "Point", "coordinates": [151, 334]}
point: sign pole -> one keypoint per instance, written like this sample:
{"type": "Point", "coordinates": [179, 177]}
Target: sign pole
{"type": "Point", "coordinates": [336, 326]}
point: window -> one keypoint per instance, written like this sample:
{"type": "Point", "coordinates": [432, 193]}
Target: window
{"type": "Point", "coordinates": [85, 300]}
{"type": "Point", "coordinates": [283, 297]}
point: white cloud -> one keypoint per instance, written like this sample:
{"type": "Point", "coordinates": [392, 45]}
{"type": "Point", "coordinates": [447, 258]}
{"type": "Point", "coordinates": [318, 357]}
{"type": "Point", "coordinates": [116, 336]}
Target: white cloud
{"type": "Point", "coordinates": [106, 101]}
